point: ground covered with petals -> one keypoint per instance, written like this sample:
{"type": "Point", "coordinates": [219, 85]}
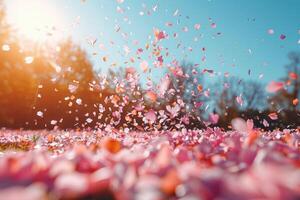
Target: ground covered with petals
{"type": "Point", "coordinates": [186, 165]}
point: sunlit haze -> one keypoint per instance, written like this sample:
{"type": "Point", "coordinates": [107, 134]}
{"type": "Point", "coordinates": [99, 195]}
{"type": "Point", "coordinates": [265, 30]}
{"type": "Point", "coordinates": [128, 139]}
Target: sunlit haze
{"type": "Point", "coordinates": [149, 99]}
{"type": "Point", "coordinates": [35, 20]}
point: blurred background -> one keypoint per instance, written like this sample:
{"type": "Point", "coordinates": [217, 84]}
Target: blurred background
{"type": "Point", "coordinates": [149, 65]}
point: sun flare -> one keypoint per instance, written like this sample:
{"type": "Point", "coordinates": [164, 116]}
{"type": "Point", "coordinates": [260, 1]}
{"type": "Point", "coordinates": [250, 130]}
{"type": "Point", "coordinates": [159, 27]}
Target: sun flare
{"type": "Point", "coordinates": [35, 19]}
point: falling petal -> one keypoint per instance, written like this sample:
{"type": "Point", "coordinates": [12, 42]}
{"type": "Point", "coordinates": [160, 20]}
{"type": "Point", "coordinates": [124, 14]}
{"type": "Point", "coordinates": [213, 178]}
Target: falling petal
{"type": "Point", "coordinates": [274, 86]}
{"type": "Point", "coordinates": [271, 31]}
{"type": "Point", "coordinates": [282, 36]}
{"type": "Point", "coordinates": [213, 118]}
{"type": "Point", "coordinates": [273, 116]}
{"type": "Point", "coordinates": [150, 116]}
{"type": "Point", "coordinates": [144, 66]}
{"type": "Point", "coordinates": [40, 113]}
{"type": "Point", "coordinates": [295, 102]}
{"type": "Point", "coordinates": [197, 26]}
{"type": "Point", "coordinates": [239, 124]}
{"type": "Point", "coordinates": [29, 59]}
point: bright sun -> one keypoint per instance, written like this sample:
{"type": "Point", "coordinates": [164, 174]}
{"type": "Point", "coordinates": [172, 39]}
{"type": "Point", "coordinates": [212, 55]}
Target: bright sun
{"type": "Point", "coordinates": [36, 19]}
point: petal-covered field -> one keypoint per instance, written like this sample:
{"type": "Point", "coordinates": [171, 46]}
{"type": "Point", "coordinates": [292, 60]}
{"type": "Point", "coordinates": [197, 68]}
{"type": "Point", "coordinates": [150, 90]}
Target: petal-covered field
{"type": "Point", "coordinates": [149, 100]}
{"type": "Point", "coordinates": [186, 165]}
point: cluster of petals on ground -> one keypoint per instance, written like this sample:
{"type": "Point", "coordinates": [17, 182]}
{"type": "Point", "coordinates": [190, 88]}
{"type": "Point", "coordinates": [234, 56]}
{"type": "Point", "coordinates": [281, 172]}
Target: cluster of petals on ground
{"type": "Point", "coordinates": [186, 165]}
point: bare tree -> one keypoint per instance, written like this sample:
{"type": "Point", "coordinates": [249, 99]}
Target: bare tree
{"type": "Point", "coordinates": [284, 99]}
{"type": "Point", "coordinates": [234, 95]}
{"type": "Point", "coordinates": [187, 85]}
{"type": "Point", "coordinates": [294, 73]}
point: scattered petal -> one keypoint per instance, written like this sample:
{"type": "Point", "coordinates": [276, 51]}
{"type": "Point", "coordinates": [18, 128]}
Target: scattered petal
{"type": "Point", "coordinates": [274, 86]}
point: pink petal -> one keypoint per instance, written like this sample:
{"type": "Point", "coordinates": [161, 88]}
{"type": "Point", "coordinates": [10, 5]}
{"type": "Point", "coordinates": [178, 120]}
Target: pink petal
{"type": "Point", "coordinates": [197, 26]}
{"type": "Point", "coordinates": [239, 124]}
{"type": "Point", "coordinates": [213, 118]}
{"type": "Point", "coordinates": [150, 116]}
{"type": "Point", "coordinates": [273, 116]}
{"type": "Point", "coordinates": [274, 86]}
{"type": "Point", "coordinates": [282, 36]}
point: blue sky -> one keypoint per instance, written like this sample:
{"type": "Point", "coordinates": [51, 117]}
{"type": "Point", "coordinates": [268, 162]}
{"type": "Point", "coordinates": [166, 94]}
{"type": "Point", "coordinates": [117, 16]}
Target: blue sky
{"type": "Point", "coordinates": [239, 42]}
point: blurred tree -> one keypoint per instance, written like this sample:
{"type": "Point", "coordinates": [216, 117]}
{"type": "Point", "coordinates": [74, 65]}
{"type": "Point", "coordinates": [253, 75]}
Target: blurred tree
{"type": "Point", "coordinates": [73, 64]}
{"type": "Point", "coordinates": [5, 30]}
{"type": "Point", "coordinates": [287, 99]}
{"type": "Point", "coordinates": [183, 91]}
{"type": "Point", "coordinates": [237, 96]}
{"type": "Point", "coordinates": [17, 86]}
{"type": "Point", "coordinates": [254, 95]}
{"type": "Point", "coordinates": [293, 79]}
{"type": "Point", "coordinates": [186, 84]}
{"type": "Point", "coordinates": [67, 92]}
